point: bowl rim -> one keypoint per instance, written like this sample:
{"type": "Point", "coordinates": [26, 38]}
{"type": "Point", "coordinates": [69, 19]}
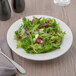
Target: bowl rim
{"type": "Point", "coordinates": [44, 53]}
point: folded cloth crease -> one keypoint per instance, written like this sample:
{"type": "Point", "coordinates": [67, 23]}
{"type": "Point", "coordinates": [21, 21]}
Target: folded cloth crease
{"type": "Point", "coordinates": [6, 67]}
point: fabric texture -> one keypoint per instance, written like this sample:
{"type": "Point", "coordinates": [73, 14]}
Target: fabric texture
{"type": "Point", "coordinates": [6, 67]}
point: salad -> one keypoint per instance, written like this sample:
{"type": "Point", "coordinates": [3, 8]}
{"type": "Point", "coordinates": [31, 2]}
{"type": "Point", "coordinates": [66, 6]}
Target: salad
{"type": "Point", "coordinates": [40, 35]}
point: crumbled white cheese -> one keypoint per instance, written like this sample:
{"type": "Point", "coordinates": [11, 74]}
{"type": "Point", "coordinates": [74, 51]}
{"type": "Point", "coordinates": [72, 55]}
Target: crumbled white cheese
{"type": "Point", "coordinates": [41, 30]}
{"type": "Point", "coordinates": [34, 39]}
{"type": "Point", "coordinates": [41, 41]}
{"type": "Point", "coordinates": [36, 36]}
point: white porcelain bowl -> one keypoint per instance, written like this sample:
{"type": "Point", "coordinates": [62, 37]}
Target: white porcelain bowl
{"type": "Point", "coordinates": [66, 43]}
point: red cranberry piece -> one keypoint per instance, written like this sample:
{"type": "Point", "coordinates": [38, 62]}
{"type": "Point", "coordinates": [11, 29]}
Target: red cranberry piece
{"type": "Point", "coordinates": [37, 20]}
{"type": "Point", "coordinates": [57, 31]}
{"type": "Point", "coordinates": [44, 25]}
{"type": "Point", "coordinates": [47, 26]}
{"type": "Point", "coordinates": [38, 40]}
{"type": "Point", "coordinates": [41, 38]}
{"type": "Point", "coordinates": [53, 26]}
{"type": "Point", "coordinates": [32, 22]}
{"type": "Point", "coordinates": [26, 28]}
{"type": "Point", "coordinates": [18, 36]}
{"type": "Point", "coordinates": [47, 22]}
{"type": "Point", "coordinates": [31, 48]}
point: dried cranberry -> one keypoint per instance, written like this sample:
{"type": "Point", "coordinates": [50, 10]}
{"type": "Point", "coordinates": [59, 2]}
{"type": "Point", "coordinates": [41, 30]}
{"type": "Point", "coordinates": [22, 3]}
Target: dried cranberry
{"type": "Point", "coordinates": [26, 28]}
{"type": "Point", "coordinates": [47, 26]}
{"type": "Point", "coordinates": [38, 40]}
{"type": "Point", "coordinates": [57, 31]}
{"type": "Point", "coordinates": [37, 20]}
{"type": "Point", "coordinates": [18, 36]}
{"type": "Point", "coordinates": [44, 25]}
{"type": "Point", "coordinates": [53, 26]}
{"type": "Point", "coordinates": [41, 38]}
{"type": "Point", "coordinates": [31, 48]}
{"type": "Point", "coordinates": [31, 22]}
{"type": "Point", "coordinates": [47, 22]}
